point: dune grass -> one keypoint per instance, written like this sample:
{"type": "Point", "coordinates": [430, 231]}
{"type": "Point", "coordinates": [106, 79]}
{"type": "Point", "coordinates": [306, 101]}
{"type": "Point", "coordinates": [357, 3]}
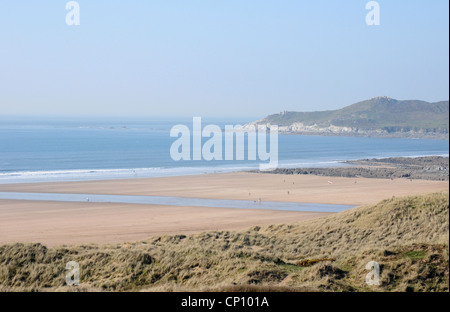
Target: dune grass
{"type": "Point", "coordinates": [408, 237]}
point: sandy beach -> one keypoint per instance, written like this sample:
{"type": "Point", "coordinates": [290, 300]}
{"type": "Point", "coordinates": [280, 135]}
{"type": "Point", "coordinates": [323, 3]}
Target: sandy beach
{"type": "Point", "coordinates": [248, 186]}
{"type": "Point", "coordinates": [58, 223]}
{"type": "Point", "coordinates": [55, 223]}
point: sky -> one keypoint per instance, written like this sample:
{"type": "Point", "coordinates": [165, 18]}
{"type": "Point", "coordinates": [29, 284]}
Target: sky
{"type": "Point", "coordinates": [217, 57]}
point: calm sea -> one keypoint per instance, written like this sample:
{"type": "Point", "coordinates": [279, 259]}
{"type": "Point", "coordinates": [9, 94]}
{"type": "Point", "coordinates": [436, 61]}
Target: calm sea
{"type": "Point", "coordinates": [33, 150]}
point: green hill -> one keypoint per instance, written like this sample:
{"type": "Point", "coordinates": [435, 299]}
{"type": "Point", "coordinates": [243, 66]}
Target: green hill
{"type": "Point", "coordinates": [377, 114]}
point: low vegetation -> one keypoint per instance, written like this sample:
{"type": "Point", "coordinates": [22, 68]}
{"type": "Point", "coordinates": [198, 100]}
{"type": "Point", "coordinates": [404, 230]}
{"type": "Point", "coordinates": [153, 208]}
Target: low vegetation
{"type": "Point", "coordinates": [408, 237]}
{"type": "Point", "coordinates": [310, 262]}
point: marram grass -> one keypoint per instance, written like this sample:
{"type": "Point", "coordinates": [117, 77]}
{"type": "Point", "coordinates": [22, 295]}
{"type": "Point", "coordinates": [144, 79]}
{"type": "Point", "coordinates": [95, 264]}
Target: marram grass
{"type": "Point", "coordinates": [408, 237]}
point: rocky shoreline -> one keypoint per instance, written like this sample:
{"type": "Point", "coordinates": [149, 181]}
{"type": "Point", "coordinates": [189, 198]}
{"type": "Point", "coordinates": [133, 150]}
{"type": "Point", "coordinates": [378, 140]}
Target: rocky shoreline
{"type": "Point", "coordinates": [424, 168]}
{"type": "Point", "coordinates": [376, 134]}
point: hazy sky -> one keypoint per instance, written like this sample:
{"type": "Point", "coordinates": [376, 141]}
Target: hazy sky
{"type": "Point", "coordinates": [218, 57]}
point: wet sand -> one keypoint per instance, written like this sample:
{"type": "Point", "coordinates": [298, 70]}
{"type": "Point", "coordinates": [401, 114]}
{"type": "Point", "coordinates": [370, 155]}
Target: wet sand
{"type": "Point", "coordinates": [57, 223]}
{"type": "Point", "coordinates": [248, 186]}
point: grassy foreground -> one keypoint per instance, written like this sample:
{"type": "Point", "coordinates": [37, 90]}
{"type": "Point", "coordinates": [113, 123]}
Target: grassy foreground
{"type": "Point", "coordinates": [408, 237]}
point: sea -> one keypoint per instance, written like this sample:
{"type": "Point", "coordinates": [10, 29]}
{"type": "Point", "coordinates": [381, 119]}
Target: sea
{"type": "Point", "coordinates": [38, 149]}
